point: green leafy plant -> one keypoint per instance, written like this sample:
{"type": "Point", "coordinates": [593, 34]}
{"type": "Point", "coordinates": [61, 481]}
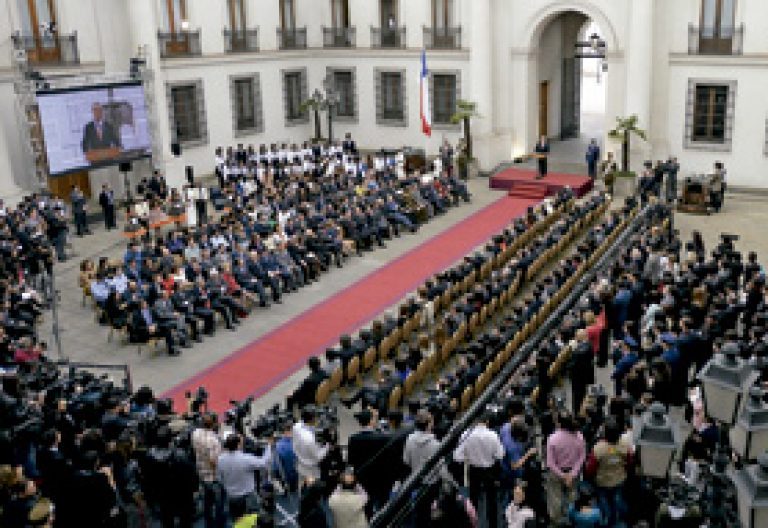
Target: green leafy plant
{"type": "Point", "coordinates": [465, 112]}
{"type": "Point", "coordinates": [626, 127]}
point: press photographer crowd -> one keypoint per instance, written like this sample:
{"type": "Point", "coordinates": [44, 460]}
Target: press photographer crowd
{"type": "Point", "coordinates": [478, 400]}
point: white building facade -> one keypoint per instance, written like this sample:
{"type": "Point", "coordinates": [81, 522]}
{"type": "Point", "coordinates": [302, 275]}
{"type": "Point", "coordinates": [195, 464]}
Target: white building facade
{"type": "Point", "coordinates": [225, 72]}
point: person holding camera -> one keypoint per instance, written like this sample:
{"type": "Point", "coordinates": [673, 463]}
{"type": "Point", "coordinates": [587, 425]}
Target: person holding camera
{"type": "Point", "coordinates": [347, 503]}
{"type": "Point", "coordinates": [309, 451]}
{"type": "Point", "coordinates": [207, 447]}
{"type": "Point", "coordinates": [236, 471]}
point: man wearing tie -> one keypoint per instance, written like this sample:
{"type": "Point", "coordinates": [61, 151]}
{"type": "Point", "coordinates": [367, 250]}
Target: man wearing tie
{"type": "Point", "coordinates": [144, 327]}
{"type": "Point", "coordinates": [107, 202]}
{"type": "Point", "coordinates": [99, 134]}
{"type": "Point", "coordinates": [542, 148]}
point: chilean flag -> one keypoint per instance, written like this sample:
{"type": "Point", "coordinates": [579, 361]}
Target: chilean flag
{"type": "Point", "coordinates": [424, 113]}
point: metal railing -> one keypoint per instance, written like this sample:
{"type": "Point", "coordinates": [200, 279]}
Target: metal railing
{"type": "Point", "coordinates": [339, 37]}
{"type": "Point", "coordinates": [442, 37]}
{"type": "Point", "coordinates": [388, 37]}
{"type": "Point", "coordinates": [414, 487]}
{"type": "Point", "coordinates": [720, 40]}
{"type": "Point", "coordinates": [179, 44]}
{"type": "Point", "coordinates": [292, 38]}
{"type": "Point", "coordinates": [54, 49]}
{"type": "Point", "coordinates": [240, 40]}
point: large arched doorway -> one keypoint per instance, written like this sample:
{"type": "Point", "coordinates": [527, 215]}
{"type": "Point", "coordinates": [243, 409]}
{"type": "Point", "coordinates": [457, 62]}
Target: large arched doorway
{"type": "Point", "coordinates": [570, 81]}
{"type": "Point", "coordinates": [556, 89]}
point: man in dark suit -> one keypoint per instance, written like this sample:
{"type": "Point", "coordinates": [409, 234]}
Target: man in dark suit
{"type": "Point", "coordinates": [77, 199]}
{"type": "Point", "coordinates": [305, 394]}
{"type": "Point", "coordinates": [366, 453]}
{"type": "Point", "coordinates": [99, 134]}
{"type": "Point", "coordinates": [107, 203]}
{"type": "Point", "coordinates": [143, 326]}
{"type": "Point", "coordinates": [542, 148]}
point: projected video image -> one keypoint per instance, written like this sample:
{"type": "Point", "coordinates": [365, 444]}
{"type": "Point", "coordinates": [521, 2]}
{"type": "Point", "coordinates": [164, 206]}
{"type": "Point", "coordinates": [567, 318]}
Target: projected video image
{"type": "Point", "coordinates": [94, 127]}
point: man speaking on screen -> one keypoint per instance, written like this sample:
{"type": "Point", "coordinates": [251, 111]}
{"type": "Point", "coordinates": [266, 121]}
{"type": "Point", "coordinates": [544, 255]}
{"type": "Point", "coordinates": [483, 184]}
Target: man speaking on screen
{"type": "Point", "coordinates": [100, 139]}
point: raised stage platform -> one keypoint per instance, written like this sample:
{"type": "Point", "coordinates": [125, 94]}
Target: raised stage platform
{"type": "Point", "coordinates": [522, 182]}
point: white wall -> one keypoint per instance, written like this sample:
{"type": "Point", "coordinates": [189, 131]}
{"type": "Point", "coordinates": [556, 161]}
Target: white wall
{"type": "Point", "coordinates": [522, 40]}
{"type": "Point", "coordinates": [746, 163]}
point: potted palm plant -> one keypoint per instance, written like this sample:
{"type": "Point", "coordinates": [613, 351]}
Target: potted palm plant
{"type": "Point", "coordinates": [465, 112]}
{"type": "Point", "coordinates": [626, 127]}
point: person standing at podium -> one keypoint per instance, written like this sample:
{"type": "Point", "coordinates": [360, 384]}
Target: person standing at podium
{"type": "Point", "coordinates": [542, 149]}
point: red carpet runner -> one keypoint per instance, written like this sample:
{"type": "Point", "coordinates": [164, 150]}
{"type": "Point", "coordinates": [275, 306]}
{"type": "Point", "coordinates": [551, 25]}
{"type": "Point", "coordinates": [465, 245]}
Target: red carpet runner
{"type": "Point", "coordinates": [261, 365]}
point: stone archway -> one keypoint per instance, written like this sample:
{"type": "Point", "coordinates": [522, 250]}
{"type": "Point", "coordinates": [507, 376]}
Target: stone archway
{"type": "Point", "coordinates": [526, 55]}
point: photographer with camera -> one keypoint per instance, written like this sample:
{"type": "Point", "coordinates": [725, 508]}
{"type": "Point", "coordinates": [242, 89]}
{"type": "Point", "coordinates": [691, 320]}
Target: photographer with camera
{"type": "Point", "coordinates": [170, 480]}
{"type": "Point", "coordinates": [309, 451]}
{"type": "Point", "coordinates": [236, 471]}
{"type": "Point", "coordinates": [207, 447]}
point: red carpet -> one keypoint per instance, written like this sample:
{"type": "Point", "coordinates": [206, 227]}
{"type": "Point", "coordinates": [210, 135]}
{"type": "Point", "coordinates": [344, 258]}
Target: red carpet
{"type": "Point", "coordinates": [522, 183]}
{"type": "Point", "coordinates": [261, 365]}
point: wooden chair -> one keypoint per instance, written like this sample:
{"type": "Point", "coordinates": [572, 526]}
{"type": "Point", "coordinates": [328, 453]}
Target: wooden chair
{"type": "Point", "coordinates": [461, 333]}
{"type": "Point", "coordinates": [337, 376]}
{"type": "Point", "coordinates": [369, 359]}
{"type": "Point", "coordinates": [323, 393]}
{"type": "Point", "coordinates": [409, 384]}
{"type": "Point", "coordinates": [353, 369]}
{"type": "Point", "coordinates": [394, 398]}
{"type": "Point", "coordinates": [474, 321]}
{"type": "Point", "coordinates": [385, 348]}
{"type": "Point", "coordinates": [447, 350]}
{"type": "Point", "coordinates": [466, 399]}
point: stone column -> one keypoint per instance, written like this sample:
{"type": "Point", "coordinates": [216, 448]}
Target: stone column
{"type": "Point", "coordinates": [481, 80]}
{"type": "Point", "coordinates": [144, 23]}
{"type": "Point", "coordinates": [640, 73]}
{"type": "Point", "coordinates": [10, 192]}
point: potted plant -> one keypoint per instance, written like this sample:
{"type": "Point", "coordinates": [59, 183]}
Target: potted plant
{"type": "Point", "coordinates": [625, 128]}
{"type": "Point", "coordinates": [465, 112]}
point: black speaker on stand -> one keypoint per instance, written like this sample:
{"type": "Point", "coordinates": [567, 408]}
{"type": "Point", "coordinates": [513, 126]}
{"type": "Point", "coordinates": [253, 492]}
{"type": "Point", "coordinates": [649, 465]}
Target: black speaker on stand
{"type": "Point", "coordinates": [190, 171]}
{"type": "Point", "coordinates": [125, 168]}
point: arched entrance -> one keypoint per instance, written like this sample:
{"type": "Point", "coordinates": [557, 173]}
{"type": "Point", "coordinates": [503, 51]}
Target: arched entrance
{"type": "Point", "coordinates": [562, 96]}
{"type": "Point", "coordinates": [570, 50]}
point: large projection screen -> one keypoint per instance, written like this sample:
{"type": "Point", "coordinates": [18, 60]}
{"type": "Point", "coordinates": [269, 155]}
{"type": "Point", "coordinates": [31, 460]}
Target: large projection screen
{"type": "Point", "coordinates": [93, 127]}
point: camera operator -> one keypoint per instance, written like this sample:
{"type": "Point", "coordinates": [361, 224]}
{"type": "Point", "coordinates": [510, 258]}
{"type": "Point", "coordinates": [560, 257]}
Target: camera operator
{"type": "Point", "coordinates": [309, 451]}
{"type": "Point", "coordinates": [236, 471]}
{"type": "Point", "coordinates": [170, 480]}
{"type": "Point", "coordinates": [207, 447]}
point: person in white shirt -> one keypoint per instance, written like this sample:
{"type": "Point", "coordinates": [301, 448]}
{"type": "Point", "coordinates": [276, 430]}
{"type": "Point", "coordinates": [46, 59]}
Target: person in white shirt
{"type": "Point", "coordinates": [481, 450]}
{"type": "Point", "coordinates": [309, 452]}
{"type": "Point", "coordinates": [236, 471]}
